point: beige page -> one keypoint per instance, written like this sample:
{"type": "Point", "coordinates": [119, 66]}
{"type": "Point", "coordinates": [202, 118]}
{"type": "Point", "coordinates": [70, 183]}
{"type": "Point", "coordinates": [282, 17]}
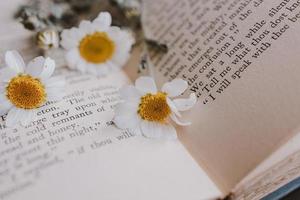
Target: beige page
{"type": "Point", "coordinates": [72, 151]}
{"type": "Point", "coordinates": [241, 58]}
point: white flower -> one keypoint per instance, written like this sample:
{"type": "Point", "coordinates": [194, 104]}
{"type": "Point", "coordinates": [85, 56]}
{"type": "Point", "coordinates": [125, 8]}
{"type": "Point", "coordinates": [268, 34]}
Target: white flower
{"type": "Point", "coordinates": [146, 111]}
{"type": "Point", "coordinates": [23, 89]}
{"type": "Point", "coordinates": [97, 47]}
{"type": "Point", "coordinates": [48, 39]}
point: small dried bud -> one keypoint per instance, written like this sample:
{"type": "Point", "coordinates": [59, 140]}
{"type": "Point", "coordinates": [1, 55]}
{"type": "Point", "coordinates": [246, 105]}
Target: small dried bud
{"type": "Point", "coordinates": [48, 39]}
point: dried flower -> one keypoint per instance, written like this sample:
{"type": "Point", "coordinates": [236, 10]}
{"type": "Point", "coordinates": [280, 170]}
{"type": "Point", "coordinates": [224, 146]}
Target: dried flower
{"type": "Point", "coordinates": [146, 111]}
{"type": "Point", "coordinates": [24, 89]}
{"type": "Point", "coordinates": [97, 47]}
{"type": "Point", "coordinates": [48, 39]}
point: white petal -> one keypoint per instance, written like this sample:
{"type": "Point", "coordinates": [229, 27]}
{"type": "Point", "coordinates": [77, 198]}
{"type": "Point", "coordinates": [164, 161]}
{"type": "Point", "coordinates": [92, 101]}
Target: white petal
{"type": "Point", "coordinates": [6, 74]}
{"type": "Point", "coordinates": [185, 104]}
{"type": "Point", "coordinates": [177, 121]}
{"type": "Point", "coordinates": [126, 108]}
{"type": "Point", "coordinates": [12, 117]}
{"type": "Point", "coordinates": [86, 26]}
{"type": "Point", "coordinates": [175, 88]}
{"type": "Point", "coordinates": [157, 130]}
{"type": "Point", "coordinates": [123, 43]}
{"type": "Point", "coordinates": [130, 93]}
{"type": "Point", "coordinates": [35, 66]}
{"type": "Point", "coordinates": [48, 68]}
{"type": "Point", "coordinates": [136, 131]}
{"type": "Point", "coordinates": [15, 61]}
{"type": "Point", "coordinates": [126, 116]}
{"type": "Point", "coordinates": [103, 20]}
{"type": "Point", "coordinates": [92, 69]}
{"type": "Point", "coordinates": [120, 59]}
{"type": "Point", "coordinates": [169, 132]}
{"type": "Point", "coordinates": [71, 38]}
{"type": "Point", "coordinates": [126, 121]}
{"type": "Point", "coordinates": [41, 67]}
{"type": "Point", "coordinates": [145, 85]}
{"type": "Point", "coordinates": [81, 65]}
{"type": "Point", "coordinates": [5, 105]}
{"type": "Point", "coordinates": [72, 57]}
{"type": "Point", "coordinates": [173, 107]}
{"type": "Point", "coordinates": [151, 129]}
{"type": "Point", "coordinates": [112, 66]}
{"type": "Point", "coordinates": [26, 116]}
{"type": "Point", "coordinates": [114, 33]}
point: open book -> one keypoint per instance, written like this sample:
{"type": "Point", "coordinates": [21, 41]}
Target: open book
{"type": "Point", "coordinates": [241, 59]}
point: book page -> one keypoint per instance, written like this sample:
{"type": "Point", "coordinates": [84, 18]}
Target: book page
{"type": "Point", "coordinates": [280, 168]}
{"type": "Point", "coordinates": [72, 150]}
{"type": "Point", "coordinates": [241, 59]}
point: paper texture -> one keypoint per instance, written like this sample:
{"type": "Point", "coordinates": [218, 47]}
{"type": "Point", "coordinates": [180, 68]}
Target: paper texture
{"type": "Point", "coordinates": [72, 151]}
{"type": "Point", "coordinates": [270, 180]}
{"type": "Point", "coordinates": [241, 59]}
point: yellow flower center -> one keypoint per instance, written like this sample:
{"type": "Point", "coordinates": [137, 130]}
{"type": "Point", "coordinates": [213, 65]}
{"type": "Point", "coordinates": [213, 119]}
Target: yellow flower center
{"type": "Point", "coordinates": [154, 107]}
{"type": "Point", "coordinates": [97, 47]}
{"type": "Point", "coordinates": [26, 92]}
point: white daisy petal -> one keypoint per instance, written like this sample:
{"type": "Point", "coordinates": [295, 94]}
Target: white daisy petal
{"type": "Point", "coordinates": [35, 66]}
{"type": "Point", "coordinates": [130, 93]}
{"type": "Point", "coordinates": [126, 116]}
{"type": "Point", "coordinates": [114, 33]}
{"type": "Point", "coordinates": [157, 130]}
{"type": "Point", "coordinates": [151, 129]}
{"type": "Point", "coordinates": [173, 107]}
{"type": "Point", "coordinates": [81, 65]}
{"type": "Point", "coordinates": [90, 68]}
{"type": "Point", "coordinates": [13, 117]}
{"type": "Point", "coordinates": [120, 59]}
{"type": "Point", "coordinates": [126, 121]}
{"type": "Point", "coordinates": [175, 88]}
{"type": "Point", "coordinates": [25, 116]}
{"type": "Point", "coordinates": [112, 66]}
{"type": "Point", "coordinates": [86, 26]}
{"type": "Point", "coordinates": [6, 74]}
{"type": "Point", "coordinates": [169, 132]}
{"type": "Point", "coordinates": [177, 121]}
{"type": "Point", "coordinates": [146, 85]}
{"type": "Point", "coordinates": [71, 38]}
{"type": "Point", "coordinates": [5, 105]}
{"type": "Point", "coordinates": [126, 108]}
{"type": "Point", "coordinates": [48, 68]}
{"type": "Point", "coordinates": [15, 61]}
{"type": "Point", "coordinates": [185, 104]}
{"type": "Point", "coordinates": [103, 20]}
{"type": "Point", "coordinates": [3, 98]}
{"type": "Point", "coordinates": [41, 67]}
{"type": "Point", "coordinates": [72, 57]}
{"type": "Point", "coordinates": [136, 131]}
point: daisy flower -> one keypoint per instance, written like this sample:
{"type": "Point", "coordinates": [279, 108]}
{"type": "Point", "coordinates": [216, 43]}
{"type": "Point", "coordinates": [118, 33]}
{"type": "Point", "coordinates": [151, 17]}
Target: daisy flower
{"type": "Point", "coordinates": [23, 89]}
{"type": "Point", "coordinates": [97, 47]}
{"type": "Point", "coordinates": [146, 111]}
